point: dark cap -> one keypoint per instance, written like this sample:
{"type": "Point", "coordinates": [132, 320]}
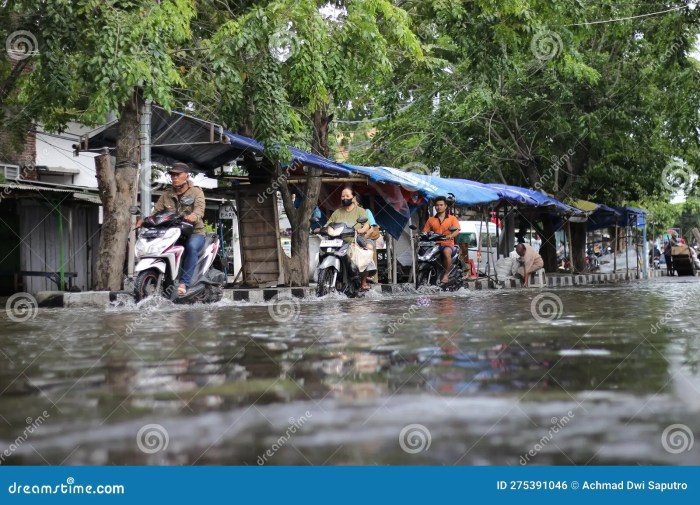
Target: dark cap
{"type": "Point", "coordinates": [178, 168]}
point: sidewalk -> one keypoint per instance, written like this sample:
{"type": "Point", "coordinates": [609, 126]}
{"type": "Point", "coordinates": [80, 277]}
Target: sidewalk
{"type": "Point", "coordinates": [102, 299]}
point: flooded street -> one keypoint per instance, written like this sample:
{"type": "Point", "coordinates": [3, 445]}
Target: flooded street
{"type": "Point", "coordinates": [589, 375]}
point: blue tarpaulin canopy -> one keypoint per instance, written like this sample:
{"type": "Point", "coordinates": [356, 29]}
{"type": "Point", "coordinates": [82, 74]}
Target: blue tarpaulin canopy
{"type": "Point", "coordinates": [524, 196]}
{"type": "Point", "coordinates": [244, 144]}
{"type": "Point", "coordinates": [465, 192]}
{"type": "Point", "coordinates": [620, 216]}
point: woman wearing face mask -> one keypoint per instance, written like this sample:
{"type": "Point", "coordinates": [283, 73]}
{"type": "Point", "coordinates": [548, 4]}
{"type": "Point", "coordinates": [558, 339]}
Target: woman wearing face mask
{"type": "Point", "coordinates": [349, 213]}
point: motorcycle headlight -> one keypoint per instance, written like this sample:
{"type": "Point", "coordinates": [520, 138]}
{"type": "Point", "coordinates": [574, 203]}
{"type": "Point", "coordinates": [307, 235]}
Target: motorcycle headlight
{"type": "Point", "coordinates": [156, 245]}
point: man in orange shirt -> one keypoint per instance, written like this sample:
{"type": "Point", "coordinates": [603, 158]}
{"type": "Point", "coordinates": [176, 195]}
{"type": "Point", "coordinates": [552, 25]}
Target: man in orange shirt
{"type": "Point", "coordinates": [441, 223]}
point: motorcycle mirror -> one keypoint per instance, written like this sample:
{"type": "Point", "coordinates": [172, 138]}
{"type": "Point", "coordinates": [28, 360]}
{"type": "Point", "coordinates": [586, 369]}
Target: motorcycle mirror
{"type": "Point", "coordinates": [452, 229]}
{"type": "Point", "coordinates": [361, 241]}
{"type": "Point", "coordinates": [134, 210]}
{"type": "Point", "coordinates": [362, 220]}
{"type": "Point", "coordinates": [187, 200]}
{"type": "Point", "coordinates": [412, 226]}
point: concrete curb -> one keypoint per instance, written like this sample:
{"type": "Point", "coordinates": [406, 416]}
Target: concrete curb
{"type": "Point", "coordinates": [101, 299]}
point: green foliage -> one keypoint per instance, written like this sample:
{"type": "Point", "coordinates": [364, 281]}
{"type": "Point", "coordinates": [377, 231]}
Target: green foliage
{"type": "Point", "coordinates": [280, 61]}
{"type": "Point", "coordinates": [521, 92]}
{"type": "Point", "coordinates": [93, 54]}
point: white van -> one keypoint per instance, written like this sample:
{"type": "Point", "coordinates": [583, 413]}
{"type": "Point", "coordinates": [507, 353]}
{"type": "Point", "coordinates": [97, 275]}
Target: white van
{"type": "Point", "coordinates": [478, 235]}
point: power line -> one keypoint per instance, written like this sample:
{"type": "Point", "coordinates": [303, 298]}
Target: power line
{"type": "Point", "coordinates": [586, 23]}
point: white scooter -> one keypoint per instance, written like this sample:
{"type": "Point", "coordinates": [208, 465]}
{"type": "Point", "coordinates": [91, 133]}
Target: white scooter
{"type": "Point", "coordinates": [336, 270]}
{"type": "Point", "coordinates": [160, 248]}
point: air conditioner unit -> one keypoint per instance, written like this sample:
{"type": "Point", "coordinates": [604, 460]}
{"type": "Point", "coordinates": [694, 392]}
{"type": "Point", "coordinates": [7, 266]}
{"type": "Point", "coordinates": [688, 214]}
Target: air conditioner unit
{"type": "Point", "coordinates": [10, 172]}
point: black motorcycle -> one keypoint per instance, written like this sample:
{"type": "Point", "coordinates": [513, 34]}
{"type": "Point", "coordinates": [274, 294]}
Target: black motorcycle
{"type": "Point", "coordinates": [429, 268]}
{"type": "Point", "coordinates": [336, 272]}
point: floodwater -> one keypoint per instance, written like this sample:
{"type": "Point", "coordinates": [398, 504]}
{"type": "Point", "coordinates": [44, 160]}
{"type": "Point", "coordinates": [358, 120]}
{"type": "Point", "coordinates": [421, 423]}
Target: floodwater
{"type": "Point", "coordinates": [589, 375]}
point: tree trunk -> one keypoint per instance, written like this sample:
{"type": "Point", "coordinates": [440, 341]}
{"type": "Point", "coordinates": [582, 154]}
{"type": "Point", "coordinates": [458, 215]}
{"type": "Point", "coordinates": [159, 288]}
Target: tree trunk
{"type": "Point", "coordinates": [548, 248]}
{"type": "Point", "coordinates": [116, 186]}
{"type": "Point", "coordinates": [297, 266]}
{"type": "Point", "coordinates": [578, 246]}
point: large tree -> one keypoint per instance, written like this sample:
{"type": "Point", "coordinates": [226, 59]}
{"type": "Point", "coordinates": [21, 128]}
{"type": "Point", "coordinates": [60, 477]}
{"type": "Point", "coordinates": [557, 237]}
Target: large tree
{"type": "Point", "coordinates": [98, 57]}
{"type": "Point", "coordinates": [284, 66]}
{"type": "Point", "coordinates": [579, 99]}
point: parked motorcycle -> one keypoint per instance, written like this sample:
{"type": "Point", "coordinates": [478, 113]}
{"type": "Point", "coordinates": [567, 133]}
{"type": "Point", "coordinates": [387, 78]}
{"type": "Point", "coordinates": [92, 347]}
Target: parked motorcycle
{"type": "Point", "coordinates": [592, 263]}
{"type": "Point", "coordinates": [336, 270]}
{"type": "Point", "coordinates": [429, 267]}
{"type": "Point", "coordinates": [160, 248]}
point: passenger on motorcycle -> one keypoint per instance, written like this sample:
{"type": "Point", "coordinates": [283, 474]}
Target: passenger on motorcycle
{"type": "Point", "coordinates": [349, 213]}
{"type": "Point", "coordinates": [170, 200]}
{"type": "Point", "coordinates": [440, 223]}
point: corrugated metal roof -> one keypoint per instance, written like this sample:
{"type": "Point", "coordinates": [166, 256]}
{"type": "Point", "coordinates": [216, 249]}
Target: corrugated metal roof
{"type": "Point", "coordinates": [28, 187]}
{"type": "Point", "coordinates": [85, 196]}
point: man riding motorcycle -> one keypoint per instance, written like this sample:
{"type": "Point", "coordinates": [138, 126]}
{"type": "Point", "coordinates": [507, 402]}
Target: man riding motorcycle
{"type": "Point", "coordinates": [440, 223]}
{"type": "Point", "coordinates": [194, 213]}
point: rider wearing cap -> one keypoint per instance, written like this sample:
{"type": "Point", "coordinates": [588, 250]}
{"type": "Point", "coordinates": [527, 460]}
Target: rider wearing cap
{"type": "Point", "coordinates": [170, 200]}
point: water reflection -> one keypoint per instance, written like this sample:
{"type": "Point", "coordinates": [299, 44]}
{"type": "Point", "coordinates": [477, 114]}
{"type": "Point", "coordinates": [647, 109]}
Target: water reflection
{"type": "Point", "coordinates": [476, 368]}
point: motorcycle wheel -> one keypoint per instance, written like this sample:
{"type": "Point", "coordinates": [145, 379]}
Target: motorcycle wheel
{"type": "Point", "coordinates": [325, 281]}
{"type": "Point", "coordinates": [426, 277]}
{"type": "Point", "coordinates": [146, 284]}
